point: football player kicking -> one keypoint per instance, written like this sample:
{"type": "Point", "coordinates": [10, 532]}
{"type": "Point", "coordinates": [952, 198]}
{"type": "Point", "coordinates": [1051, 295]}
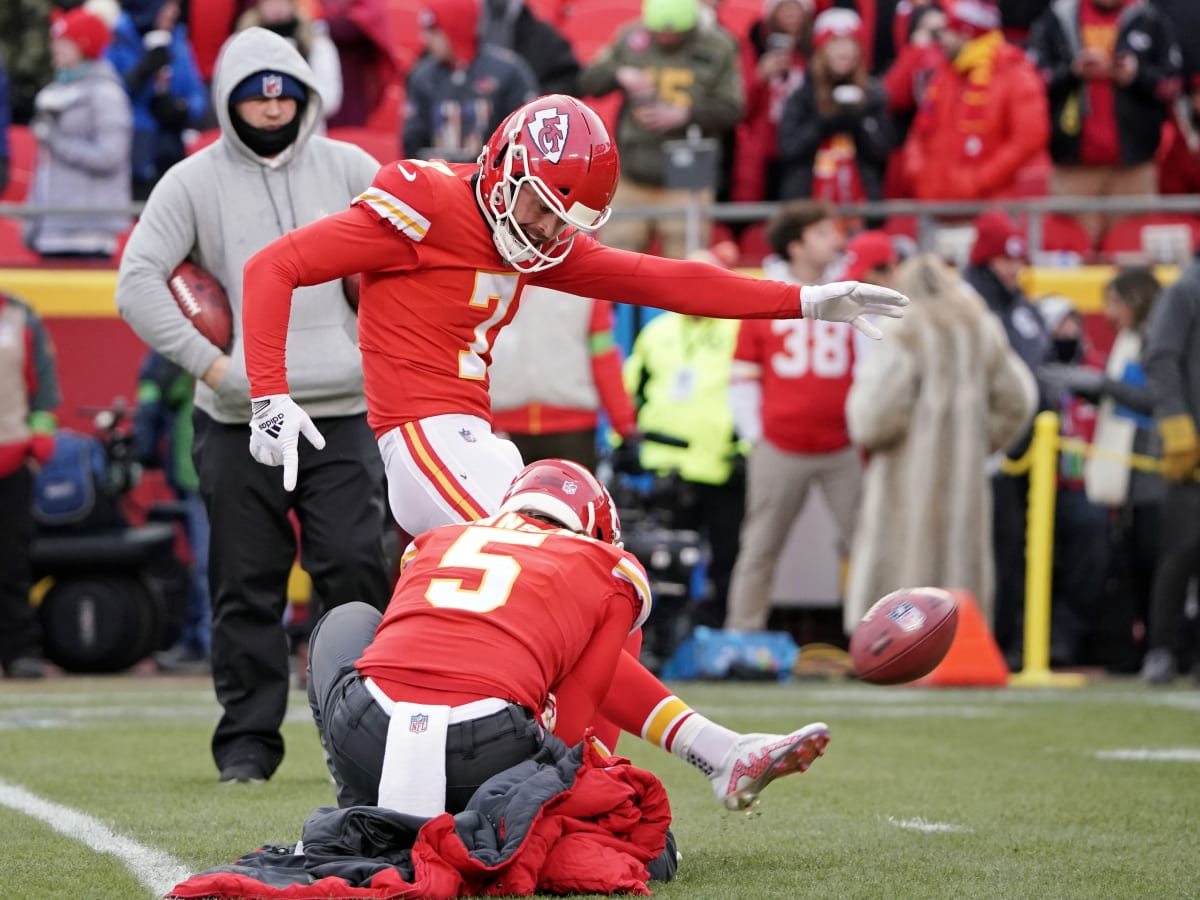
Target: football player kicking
{"type": "Point", "coordinates": [491, 622]}
{"type": "Point", "coordinates": [444, 251]}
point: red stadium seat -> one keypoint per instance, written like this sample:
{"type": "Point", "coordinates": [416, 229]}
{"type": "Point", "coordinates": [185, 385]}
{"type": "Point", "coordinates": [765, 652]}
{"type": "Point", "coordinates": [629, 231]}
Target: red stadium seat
{"type": "Point", "coordinates": [383, 145]}
{"type": "Point", "coordinates": [13, 252]}
{"type": "Point", "coordinates": [738, 15]}
{"type": "Point", "coordinates": [1127, 236]}
{"type": "Point", "coordinates": [203, 139]}
{"type": "Point", "coordinates": [589, 25]}
{"type": "Point", "coordinates": [1064, 233]}
{"type": "Point", "coordinates": [22, 148]}
{"type": "Point", "coordinates": [753, 246]}
{"type": "Point", "coordinates": [550, 11]}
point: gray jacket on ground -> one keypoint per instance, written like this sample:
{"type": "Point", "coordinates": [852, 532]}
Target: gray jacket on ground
{"type": "Point", "coordinates": [221, 206]}
{"type": "Point", "coordinates": [86, 128]}
{"type": "Point", "coordinates": [1171, 354]}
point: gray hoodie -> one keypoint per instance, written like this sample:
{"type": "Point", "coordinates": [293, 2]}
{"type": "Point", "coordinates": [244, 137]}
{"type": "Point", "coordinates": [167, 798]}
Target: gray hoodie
{"type": "Point", "coordinates": [222, 205]}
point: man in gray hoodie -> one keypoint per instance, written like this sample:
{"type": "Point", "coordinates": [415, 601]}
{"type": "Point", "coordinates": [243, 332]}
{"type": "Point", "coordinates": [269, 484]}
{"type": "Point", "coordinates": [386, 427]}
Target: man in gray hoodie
{"type": "Point", "coordinates": [266, 175]}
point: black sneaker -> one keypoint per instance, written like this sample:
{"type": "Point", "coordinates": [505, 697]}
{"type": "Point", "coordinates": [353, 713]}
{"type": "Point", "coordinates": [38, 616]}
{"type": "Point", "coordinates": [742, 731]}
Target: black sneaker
{"type": "Point", "coordinates": [245, 771]}
{"type": "Point", "coordinates": [26, 668]}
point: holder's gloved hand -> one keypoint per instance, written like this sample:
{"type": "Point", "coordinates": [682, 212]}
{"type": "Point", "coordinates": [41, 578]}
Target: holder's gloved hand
{"type": "Point", "coordinates": [850, 301]}
{"type": "Point", "coordinates": [1181, 448]}
{"type": "Point", "coordinates": [275, 429]}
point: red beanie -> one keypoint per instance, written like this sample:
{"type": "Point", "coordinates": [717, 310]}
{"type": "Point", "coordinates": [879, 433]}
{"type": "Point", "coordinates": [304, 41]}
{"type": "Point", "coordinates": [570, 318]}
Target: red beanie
{"type": "Point", "coordinates": [997, 235]}
{"type": "Point", "coordinates": [835, 23]}
{"type": "Point", "coordinates": [972, 17]}
{"type": "Point", "coordinates": [868, 250]}
{"type": "Point", "coordinates": [86, 31]}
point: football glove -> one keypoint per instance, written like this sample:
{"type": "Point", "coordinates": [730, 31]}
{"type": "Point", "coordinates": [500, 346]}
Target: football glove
{"type": "Point", "coordinates": [1181, 448]}
{"type": "Point", "coordinates": [275, 428]}
{"type": "Point", "coordinates": [850, 301]}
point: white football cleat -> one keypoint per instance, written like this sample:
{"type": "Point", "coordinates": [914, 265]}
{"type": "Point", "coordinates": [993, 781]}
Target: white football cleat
{"type": "Point", "coordinates": [758, 759]}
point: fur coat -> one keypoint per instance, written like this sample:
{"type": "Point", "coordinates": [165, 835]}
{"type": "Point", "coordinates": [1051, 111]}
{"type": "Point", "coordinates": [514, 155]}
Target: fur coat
{"type": "Point", "coordinates": [940, 393]}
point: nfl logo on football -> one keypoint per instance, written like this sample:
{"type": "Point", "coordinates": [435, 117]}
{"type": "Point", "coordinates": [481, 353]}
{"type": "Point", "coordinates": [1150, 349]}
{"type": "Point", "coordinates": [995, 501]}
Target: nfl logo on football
{"type": "Point", "coordinates": [907, 616]}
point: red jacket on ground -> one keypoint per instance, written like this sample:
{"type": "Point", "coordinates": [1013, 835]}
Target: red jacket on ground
{"type": "Point", "coordinates": [983, 118]}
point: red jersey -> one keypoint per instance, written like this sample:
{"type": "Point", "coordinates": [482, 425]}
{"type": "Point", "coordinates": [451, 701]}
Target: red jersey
{"type": "Point", "coordinates": [435, 291]}
{"type": "Point", "coordinates": [806, 368]}
{"type": "Point", "coordinates": [508, 607]}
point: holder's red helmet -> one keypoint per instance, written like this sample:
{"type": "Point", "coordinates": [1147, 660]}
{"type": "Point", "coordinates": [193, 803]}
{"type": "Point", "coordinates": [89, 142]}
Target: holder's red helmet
{"type": "Point", "coordinates": [561, 149]}
{"type": "Point", "coordinates": [567, 493]}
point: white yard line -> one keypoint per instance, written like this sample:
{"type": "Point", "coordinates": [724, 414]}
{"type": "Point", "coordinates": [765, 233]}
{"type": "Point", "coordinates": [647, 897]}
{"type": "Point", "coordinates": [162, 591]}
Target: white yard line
{"type": "Point", "coordinates": [158, 871]}
{"type": "Point", "coordinates": [1146, 754]}
{"type": "Point", "coordinates": [924, 825]}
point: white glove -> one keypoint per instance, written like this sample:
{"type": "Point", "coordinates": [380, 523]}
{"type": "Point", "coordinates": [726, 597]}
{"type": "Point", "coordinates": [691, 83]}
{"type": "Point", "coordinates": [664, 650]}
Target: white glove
{"type": "Point", "coordinates": [850, 301]}
{"type": "Point", "coordinates": [275, 429]}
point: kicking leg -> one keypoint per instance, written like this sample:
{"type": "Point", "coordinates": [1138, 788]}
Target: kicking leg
{"type": "Point", "coordinates": [738, 765]}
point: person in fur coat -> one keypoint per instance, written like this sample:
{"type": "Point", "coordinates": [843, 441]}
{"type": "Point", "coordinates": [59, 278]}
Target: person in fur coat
{"type": "Point", "coordinates": [930, 405]}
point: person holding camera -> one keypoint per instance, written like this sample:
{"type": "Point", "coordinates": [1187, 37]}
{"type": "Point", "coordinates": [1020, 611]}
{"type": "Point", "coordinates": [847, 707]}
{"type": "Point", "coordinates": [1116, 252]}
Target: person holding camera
{"type": "Point", "coordinates": [773, 62]}
{"type": "Point", "coordinates": [835, 134]}
{"type": "Point", "coordinates": [151, 51]}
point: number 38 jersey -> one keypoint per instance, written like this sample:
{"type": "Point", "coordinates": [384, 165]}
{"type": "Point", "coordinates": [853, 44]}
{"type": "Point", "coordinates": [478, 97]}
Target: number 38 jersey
{"type": "Point", "coordinates": [435, 292]}
{"type": "Point", "coordinates": [505, 607]}
{"type": "Point", "coordinates": [806, 368]}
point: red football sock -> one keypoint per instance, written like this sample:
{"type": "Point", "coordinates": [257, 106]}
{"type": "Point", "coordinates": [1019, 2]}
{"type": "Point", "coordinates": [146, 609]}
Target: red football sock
{"type": "Point", "coordinates": [607, 726]}
{"type": "Point", "coordinates": [639, 703]}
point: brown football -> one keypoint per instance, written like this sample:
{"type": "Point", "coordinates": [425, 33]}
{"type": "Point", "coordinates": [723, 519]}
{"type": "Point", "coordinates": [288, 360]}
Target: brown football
{"type": "Point", "coordinates": [203, 300]}
{"type": "Point", "coordinates": [904, 636]}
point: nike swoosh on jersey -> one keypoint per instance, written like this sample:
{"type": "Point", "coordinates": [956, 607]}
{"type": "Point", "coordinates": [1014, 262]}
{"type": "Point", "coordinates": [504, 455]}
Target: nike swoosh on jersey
{"type": "Point", "coordinates": [408, 176]}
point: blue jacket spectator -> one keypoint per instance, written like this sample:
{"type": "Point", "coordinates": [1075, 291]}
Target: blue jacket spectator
{"type": "Point", "coordinates": [151, 51]}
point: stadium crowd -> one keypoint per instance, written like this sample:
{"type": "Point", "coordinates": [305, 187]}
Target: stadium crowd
{"type": "Point", "coordinates": [813, 103]}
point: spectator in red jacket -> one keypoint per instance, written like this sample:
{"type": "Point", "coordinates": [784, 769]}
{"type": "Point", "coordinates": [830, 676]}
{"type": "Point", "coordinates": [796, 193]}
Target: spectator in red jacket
{"type": "Point", "coordinates": [1179, 160]}
{"type": "Point", "coordinates": [773, 64]}
{"type": "Point", "coordinates": [984, 116]}
{"type": "Point", "coordinates": [919, 56]}
{"type": "Point", "coordinates": [1111, 69]}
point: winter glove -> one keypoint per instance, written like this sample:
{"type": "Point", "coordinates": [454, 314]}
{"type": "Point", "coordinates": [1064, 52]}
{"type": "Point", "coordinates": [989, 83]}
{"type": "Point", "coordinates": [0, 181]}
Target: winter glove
{"type": "Point", "coordinates": [156, 57]}
{"type": "Point", "coordinates": [850, 301]}
{"type": "Point", "coordinates": [1181, 448]}
{"type": "Point", "coordinates": [170, 112]}
{"type": "Point", "coordinates": [275, 429]}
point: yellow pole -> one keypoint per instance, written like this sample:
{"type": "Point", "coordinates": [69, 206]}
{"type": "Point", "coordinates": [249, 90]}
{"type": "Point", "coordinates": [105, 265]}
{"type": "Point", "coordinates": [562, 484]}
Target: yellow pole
{"type": "Point", "coordinates": [1039, 559]}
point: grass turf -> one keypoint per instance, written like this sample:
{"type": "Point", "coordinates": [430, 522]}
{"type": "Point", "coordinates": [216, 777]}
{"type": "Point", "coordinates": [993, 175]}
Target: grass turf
{"type": "Point", "coordinates": [922, 794]}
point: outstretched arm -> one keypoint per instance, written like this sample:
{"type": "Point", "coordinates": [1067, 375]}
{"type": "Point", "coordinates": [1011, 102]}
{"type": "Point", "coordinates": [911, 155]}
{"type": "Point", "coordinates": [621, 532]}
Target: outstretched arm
{"type": "Point", "coordinates": [700, 289]}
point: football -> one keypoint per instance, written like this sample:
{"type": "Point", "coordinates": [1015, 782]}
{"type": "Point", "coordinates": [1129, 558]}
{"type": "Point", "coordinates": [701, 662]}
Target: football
{"type": "Point", "coordinates": [202, 299]}
{"type": "Point", "coordinates": [904, 636]}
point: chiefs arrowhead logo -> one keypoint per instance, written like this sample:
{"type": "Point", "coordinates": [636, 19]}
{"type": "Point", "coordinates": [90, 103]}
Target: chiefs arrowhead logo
{"type": "Point", "coordinates": [549, 132]}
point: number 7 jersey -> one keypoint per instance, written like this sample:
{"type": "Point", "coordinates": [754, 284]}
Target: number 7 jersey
{"type": "Point", "coordinates": [435, 292]}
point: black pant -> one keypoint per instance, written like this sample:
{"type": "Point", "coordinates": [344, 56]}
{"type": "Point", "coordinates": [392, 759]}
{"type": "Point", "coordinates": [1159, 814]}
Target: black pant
{"type": "Point", "coordinates": [717, 511]}
{"type": "Point", "coordinates": [339, 503]}
{"type": "Point", "coordinates": [1178, 562]}
{"type": "Point", "coordinates": [577, 446]}
{"type": "Point", "coordinates": [1080, 572]}
{"type": "Point", "coordinates": [19, 633]}
{"type": "Point", "coordinates": [353, 727]}
{"type": "Point", "coordinates": [1009, 503]}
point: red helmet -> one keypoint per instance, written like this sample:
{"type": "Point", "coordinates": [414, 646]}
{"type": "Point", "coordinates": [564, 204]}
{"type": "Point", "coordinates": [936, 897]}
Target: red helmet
{"type": "Point", "coordinates": [561, 149]}
{"type": "Point", "coordinates": [567, 493]}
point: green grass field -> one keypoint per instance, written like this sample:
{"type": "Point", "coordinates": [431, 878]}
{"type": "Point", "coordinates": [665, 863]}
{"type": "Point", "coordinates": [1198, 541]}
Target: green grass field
{"type": "Point", "coordinates": [1017, 793]}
